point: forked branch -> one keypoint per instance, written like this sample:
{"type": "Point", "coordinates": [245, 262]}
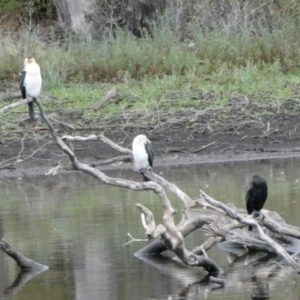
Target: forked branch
{"type": "Point", "coordinates": [232, 213]}
{"type": "Point", "coordinates": [172, 236]}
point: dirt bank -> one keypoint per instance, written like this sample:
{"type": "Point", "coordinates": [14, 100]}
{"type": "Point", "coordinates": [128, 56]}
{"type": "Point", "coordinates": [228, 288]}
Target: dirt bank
{"type": "Point", "coordinates": [32, 152]}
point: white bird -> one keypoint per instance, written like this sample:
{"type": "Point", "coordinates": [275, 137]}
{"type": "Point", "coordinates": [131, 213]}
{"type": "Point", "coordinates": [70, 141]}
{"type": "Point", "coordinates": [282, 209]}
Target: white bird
{"type": "Point", "coordinates": [143, 155]}
{"type": "Point", "coordinates": [30, 80]}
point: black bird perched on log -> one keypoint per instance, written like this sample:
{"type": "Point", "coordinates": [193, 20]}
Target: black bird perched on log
{"type": "Point", "coordinates": [256, 195]}
{"type": "Point", "coordinates": [30, 83]}
{"type": "Point", "coordinates": [143, 154]}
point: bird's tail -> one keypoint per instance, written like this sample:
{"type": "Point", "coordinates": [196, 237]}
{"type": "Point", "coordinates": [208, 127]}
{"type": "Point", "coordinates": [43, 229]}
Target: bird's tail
{"type": "Point", "coordinates": [250, 228]}
{"type": "Point", "coordinates": [31, 111]}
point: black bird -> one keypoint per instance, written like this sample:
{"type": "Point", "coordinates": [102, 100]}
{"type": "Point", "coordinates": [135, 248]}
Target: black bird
{"type": "Point", "coordinates": [30, 83]}
{"type": "Point", "coordinates": [256, 195]}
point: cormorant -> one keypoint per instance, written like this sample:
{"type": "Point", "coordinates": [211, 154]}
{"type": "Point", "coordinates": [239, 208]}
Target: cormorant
{"type": "Point", "coordinates": [30, 80]}
{"type": "Point", "coordinates": [256, 195]}
{"type": "Point", "coordinates": [143, 155]}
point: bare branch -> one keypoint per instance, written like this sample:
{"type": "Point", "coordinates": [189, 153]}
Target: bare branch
{"type": "Point", "coordinates": [172, 236]}
{"type": "Point", "coordinates": [91, 137]}
{"type": "Point", "coordinates": [53, 171]}
{"type": "Point", "coordinates": [204, 147]}
{"type": "Point", "coordinates": [132, 239]}
{"type": "Point", "coordinates": [121, 158]}
{"type": "Point", "coordinates": [147, 219]}
{"type": "Point", "coordinates": [111, 94]}
{"type": "Point", "coordinates": [15, 104]}
{"type": "Point", "coordinates": [23, 262]}
{"type": "Point", "coordinates": [22, 148]}
{"type": "Point", "coordinates": [234, 215]}
{"type": "Point", "coordinates": [188, 202]}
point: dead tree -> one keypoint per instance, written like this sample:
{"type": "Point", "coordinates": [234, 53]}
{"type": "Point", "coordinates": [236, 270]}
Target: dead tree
{"type": "Point", "coordinates": [221, 222]}
{"type": "Point", "coordinates": [92, 17]}
{"type": "Point", "coordinates": [224, 224]}
{"type": "Point", "coordinates": [80, 16]}
{"type": "Point", "coordinates": [169, 233]}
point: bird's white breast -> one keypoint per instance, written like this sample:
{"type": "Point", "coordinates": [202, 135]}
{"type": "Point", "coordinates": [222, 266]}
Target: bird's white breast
{"type": "Point", "coordinates": [140, 156]}
{"type": "Point", "coordinates": [33, 80]}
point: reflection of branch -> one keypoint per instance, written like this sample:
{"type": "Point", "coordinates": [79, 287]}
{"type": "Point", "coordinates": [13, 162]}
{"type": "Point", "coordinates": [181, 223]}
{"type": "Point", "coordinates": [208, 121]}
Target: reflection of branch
{"type": "Point", "coordinates": [22, 278]}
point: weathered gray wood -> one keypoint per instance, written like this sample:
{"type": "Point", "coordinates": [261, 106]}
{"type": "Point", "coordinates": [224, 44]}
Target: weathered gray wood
{"type": "Point", "coordinates": [172, 237]}
{"type": "Point", "coordinates": [81, 16]}
{"type": "Point", "coordinates": [110, 95]}
{"type": "Point", "coordinates": [247, 221]}
{"type": "Point", "coordinates": [22, 261]}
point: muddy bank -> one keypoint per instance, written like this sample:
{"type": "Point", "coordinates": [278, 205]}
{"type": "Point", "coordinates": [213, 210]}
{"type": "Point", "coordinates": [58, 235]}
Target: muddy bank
{"type": "Point", "coordinates": [178, 144]}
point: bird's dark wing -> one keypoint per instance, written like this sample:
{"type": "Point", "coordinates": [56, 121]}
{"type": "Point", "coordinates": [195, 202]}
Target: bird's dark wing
{"type": "Point", "coordinates": [249, 194]}
{"type": "Point", "coordinates": [21, 82]}
{"type": "Point", "coordinates": [149, 150]}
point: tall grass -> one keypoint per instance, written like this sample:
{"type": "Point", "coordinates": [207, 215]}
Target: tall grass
{"type": "Point", "coordinates": [203, 48]}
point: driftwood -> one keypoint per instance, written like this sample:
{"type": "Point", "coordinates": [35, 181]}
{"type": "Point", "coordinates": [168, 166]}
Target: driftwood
{"type": "Point", "coordinates": [111, 94]}
{"type": "Point", "coordinates": [22, 261]}
{"type": "Point", "coordinates": [170, 234]}
{"type": "Point", "coordinates": [15, 104]}
{"type": "Point", "coordinates": [223, 223]}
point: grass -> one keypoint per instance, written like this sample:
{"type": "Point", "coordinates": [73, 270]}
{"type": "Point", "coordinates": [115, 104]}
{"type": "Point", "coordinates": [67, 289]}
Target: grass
{"type": "Point", "coordinates": [208, 69]}
{"type": "Point", "coordinates": [173, 93]}
{"type": "Point", "coordinates": [167, 94]}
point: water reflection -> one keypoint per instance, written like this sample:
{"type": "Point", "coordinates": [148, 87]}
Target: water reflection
{"type": "Point", "coordinates": [77, 227]}
{"type": "Point", "coordinates": [260, 289]}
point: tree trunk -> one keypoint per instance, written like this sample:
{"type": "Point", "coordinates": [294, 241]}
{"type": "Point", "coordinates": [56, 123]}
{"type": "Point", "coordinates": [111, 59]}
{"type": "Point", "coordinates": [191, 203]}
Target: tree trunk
{"type": "Point", "coordinates": [141, 13]}
{"type": "Point", "coordinates": [81, 16]}
{"type": "Point", "coordinates": [89, 17]}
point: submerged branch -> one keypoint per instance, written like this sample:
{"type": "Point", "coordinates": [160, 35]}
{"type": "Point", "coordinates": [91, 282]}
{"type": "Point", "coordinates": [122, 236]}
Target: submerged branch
{"type": "Point", "coordinates": [22, 261]}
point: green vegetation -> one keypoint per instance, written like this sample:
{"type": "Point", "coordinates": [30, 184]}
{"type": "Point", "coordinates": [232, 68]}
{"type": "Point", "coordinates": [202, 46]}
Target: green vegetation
{"type": "Point", "coordinates": [254, 55]}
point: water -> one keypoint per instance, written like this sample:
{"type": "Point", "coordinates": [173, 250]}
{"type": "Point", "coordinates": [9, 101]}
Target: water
{"type": "Point", "coordinates": [77, 227]}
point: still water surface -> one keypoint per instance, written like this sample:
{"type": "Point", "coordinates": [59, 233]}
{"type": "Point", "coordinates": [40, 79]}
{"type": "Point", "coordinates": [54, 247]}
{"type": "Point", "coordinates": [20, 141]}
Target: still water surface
{"type": "Point", "coordinates": [77, 226]}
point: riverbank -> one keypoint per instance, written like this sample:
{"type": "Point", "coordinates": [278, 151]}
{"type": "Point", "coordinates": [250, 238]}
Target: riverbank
{"type": "Point", "coordinates": [173, 146]}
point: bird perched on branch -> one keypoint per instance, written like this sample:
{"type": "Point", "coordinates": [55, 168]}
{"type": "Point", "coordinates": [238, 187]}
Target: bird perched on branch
{"type": "Point", "coordinates": [30, 80]}
{"type": "Point", "coordinates": [256, 195]}
{"type": "Point", "coordinates": [143, 155]}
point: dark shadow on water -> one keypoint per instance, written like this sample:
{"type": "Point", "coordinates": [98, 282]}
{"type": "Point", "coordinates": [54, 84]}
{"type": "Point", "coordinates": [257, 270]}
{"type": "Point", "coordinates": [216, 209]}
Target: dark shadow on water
{"type": "Point", "coordinates": [22, 278]}
{"type": "Point", "coordinates": [260, 289]}
{"type": "Point", "coordinates": [256, 270]}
